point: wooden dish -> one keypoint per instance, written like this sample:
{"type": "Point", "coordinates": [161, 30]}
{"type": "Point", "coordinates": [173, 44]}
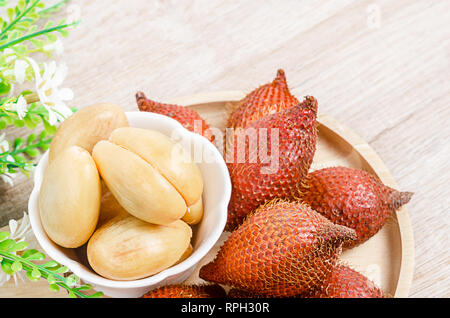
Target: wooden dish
{"type": "Point", "coordinates": [387, 258]}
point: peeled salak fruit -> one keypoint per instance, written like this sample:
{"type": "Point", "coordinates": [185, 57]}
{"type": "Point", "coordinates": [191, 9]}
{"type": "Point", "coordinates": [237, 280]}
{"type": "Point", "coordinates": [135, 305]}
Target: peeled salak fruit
{"type": "Point", "coordinates": [345, 282]}
{"type": "Point", "coordinates": [353, 198]}
{"type": "Point", "coordinates": [151, 176]}
{"type": "Point", "coordinates": [86, 127]}
{"type": "Point", "coordinates": [166, 156]}
{"type": "Point", "coordinates": [278, 153]}
{"type": "Point", "coordinates": [109, 206]}
{"type": "Point", "coordinates": [138, 187]}
{"type": "Point", "coordinates": [188, 252]}
{"type": "Point", "coordinates": [194, 213]}
{"type": "Point", "coordinates": [187, 291]}
{"type": "Point", "coordinates": [282, 249]}
{"type": "Point", "coordinates": [265, 100]}
{"type": "Point", "coordinates": [69, 200]}
{"type": "Point", "coordinates": [187, 117]}
{"type": "Point", "coordinates": [126, 248]}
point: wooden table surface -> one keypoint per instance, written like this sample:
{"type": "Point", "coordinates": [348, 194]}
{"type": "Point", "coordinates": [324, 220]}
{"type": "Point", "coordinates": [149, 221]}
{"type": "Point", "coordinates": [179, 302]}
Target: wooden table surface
{"type": "Point", "coordinates": [380, 67]}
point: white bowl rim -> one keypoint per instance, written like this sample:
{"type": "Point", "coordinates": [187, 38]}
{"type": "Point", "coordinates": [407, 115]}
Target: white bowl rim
{"type": "Point", "coordinates": [79, 269]}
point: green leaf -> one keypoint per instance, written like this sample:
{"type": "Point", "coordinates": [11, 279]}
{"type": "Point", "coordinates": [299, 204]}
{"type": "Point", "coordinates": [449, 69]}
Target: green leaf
{"type": "Point", "coordinates": [43, 135]}
{"type": "Point", "coordinates": [31, 277]}
{"type": "Point", "coordinates": [19, 123]}
{"type": "Point", "coordinates": [5, 245]}
{"type": "Point", "coordinates": [2, 124]}
{"type": "Point", "coordinates": [25, 93]}
{"type": "Point", "coordinates": [49, 128]}
{"type": "Point", "coordinates": [37, 257]}
{"type": "Point", "coordinates": [18, 158]}
{"type": "Point", "coordinates": [16, 266]}
{"type": "Point", "coordinates": [33, 152]}
{"type": "Point", "coordinates": [4, 236]}
{"type": "Point", "coordinates": [13, 35]}
{"type": "Point", "coordinates": [8, 120]}
{"type": "Point", "coordinates": [11, 170]}
{"type": "Point", "coordinates": [18, 142]}
{"type": "Point", "coordinates": [54, 288]}
{"type": "Point", "coordinates": [49, 24]}
{"type": "Point", "coordinates": [72, 280]}
{"type": "Point", "coordinates": [29, 122]}
{"type": "Point", "coordinates": [10, 13]}
{"type": "Point", "coordinates": [45, 146]}
{"type": "Point", "coordinates": [20, 49]}
{"type": "Point", "coordinates": [71, 294]}
{"type": "Point", "coordinates": [50, 264]}
{"type": "Point", "coordinates": [52, 37]}
{"type": "Point", "coordinates": [33, 16]}
{"type": "Point", "coordinates": [6, 267]}
{"type": "Point", "coordinates": [35, 273]}
{"type": "Point", "coordinates": [31, 138]}
{"type": "Point", "coordinates": [51, 279]}
{"type": "Point", "coordinates": [84, 287]}
{"type": "Point", "coordinates": [19, 246]}
{"type": "Point", "coordinates": [33, 255]}
{"type": "Point", "coordinates": [39, 44]}
{"type": "Point", "coordinates": [61, 270]}
{"type": "Point", "coordinates": [21, 5]}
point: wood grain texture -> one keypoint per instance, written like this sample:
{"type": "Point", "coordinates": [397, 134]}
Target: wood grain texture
{"type": "Point", "coordinates": [379, 67]}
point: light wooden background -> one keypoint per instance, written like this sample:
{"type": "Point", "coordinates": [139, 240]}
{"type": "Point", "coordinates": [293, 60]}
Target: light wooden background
{"type": "Point", "coordinates": [380, 67]}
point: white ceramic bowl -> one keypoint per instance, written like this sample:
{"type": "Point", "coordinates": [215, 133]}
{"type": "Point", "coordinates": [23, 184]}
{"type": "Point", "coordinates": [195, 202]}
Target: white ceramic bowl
{"type": "Point", "coordinates": [216, 196]}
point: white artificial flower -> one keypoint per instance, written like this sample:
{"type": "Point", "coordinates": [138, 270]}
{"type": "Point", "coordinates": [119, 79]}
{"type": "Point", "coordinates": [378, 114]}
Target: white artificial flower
{"type": "Point", "coordinates": [18, 232]}
{"type": "Point", "coordinates": [4, 144]}
{"type": "Point", "coordinates": [56, 47]}
{"type": "Point", "coordinates": [20, 68]}
{"type": "Point", "coordinates": [8, 73]}
{"type": "Point", "coordinates": [12, 55]}
{"type": "Point", "coordinates": [21, 107]}
{"type": "Point", "coordinates": [50, 94]}
{"type": "Point", "coordinates": [4, 147]}
{"type": "Point", "coordinates": [8, 178]}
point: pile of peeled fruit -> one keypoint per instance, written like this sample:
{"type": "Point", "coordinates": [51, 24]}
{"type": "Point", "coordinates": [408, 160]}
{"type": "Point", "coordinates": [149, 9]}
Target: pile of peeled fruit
{"type": "Point", "coordinates": [129, 195]}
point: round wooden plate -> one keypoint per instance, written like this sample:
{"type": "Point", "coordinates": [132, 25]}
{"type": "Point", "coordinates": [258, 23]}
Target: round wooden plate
{"type": "Point", "coordinates": [387, 258]}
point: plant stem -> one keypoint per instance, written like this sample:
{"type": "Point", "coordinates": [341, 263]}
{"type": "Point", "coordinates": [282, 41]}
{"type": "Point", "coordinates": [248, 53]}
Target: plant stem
{"type": "Point", "coordinates": [25, 149]}
{"type": "Point", "coordinates": [53, 7]}
{"type": "Point", "coordinates": [29, 266]}
{"type": "Point", "coordinates": [17, 164]}
{"type": "Point", "coordinates": [35, 34]}
{"type": "Point", "coordinates": [18, 18]}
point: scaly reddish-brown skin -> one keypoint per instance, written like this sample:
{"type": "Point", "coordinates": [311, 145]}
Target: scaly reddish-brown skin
{"type": "Point", "coordinates": [264, 100]}
{"type": "Point", "coordinates": [282, 249]}
{"type": "Point", "coordinates": [345, 282]}
{"type": "Point", "coordinates": [353, 198]}
{"type": "Point", "coordinates": [187, 291]}
{"type": "Point", "coordinates": [187, 117]}
{"type": "Point", "coordinates": [251, 186]}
